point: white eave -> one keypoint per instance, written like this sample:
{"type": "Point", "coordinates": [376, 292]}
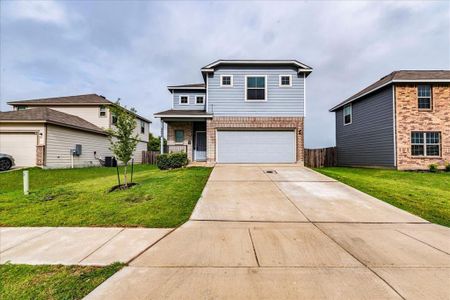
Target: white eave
{"type": "Point", "coordinates": [301, 67]}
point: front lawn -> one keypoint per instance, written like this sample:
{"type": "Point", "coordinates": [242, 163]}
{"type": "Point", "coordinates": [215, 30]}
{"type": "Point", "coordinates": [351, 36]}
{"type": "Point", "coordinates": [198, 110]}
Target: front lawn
{"type": "Point", "coordinates": [80, 197]}
{"type": "Point", "coordinates": [424, 194]}
{"type": "Point", "coordinates": [51, 282]}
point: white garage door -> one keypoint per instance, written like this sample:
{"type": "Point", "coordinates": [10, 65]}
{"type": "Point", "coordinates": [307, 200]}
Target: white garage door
{"type": "Point", "coordinates": [21, 146]}
{"type": "Point", "coordinates": [255, 146]}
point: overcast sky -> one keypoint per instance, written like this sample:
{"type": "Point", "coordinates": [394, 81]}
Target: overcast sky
{"type": "Point", "coordinates": [133, 50]}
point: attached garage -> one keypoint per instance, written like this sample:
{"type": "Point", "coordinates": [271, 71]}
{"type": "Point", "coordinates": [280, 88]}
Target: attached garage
{"type": "Point", "coordinates": [21, 146]}
{"type": "Point", "coordinates": [256, 146]}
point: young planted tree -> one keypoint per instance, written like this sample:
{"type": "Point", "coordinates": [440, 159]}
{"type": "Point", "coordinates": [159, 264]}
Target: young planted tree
{"type": "Point", "coordinates": [122, 138]}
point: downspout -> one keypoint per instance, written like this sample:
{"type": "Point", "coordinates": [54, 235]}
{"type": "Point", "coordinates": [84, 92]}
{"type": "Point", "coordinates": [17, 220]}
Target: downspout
{"type": "Point", "coordinates": [394, 125]}
{"type": "Point", "coordinates": [161, 147]}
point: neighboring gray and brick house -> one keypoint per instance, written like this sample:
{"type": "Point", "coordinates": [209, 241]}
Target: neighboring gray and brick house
{"type": "Point", "coordinates": [401, 121]}
{"type": "Point", "coordinates": [245, 111]}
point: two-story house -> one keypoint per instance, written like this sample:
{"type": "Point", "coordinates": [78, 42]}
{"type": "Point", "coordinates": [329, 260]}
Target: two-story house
{"type": "Point", "coordinates": [402, 121]}
{"type": "Point", "coordinates": [245, 111]}
{"type": "Point", "coordinates": [44, 132]}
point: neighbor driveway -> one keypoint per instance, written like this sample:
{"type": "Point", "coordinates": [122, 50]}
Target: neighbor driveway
{"type": "Point", "coordinates": [287, 232]}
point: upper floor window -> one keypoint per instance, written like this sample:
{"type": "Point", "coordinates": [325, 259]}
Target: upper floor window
{"type": "Point", "coordinates": [22, 107]}
{"type": "Point", "coordinates": [348, 114]}
{"type": "Point", "coordinates": [102, 112]}
{"type": "Point", "coordinates": [285, 80]}
{"type": "Point", "coordinates": [113, 119]}
{"type": "Point", "coordinates": [142, 127]}
{"type": "Point", "coordinates": [199, 99]}
{"type": "Point", "coordinates": [184, 100]}
{"type": "Point", "coordinates": [424, 96]}
{"type": "Point", "coordinates": [226, 80]}
{"type": "Point", "coordinates": [179, 136]}
{"type": "Point", "coordinates": [425, 143]}
{"type": "Point", "coordinates": [255, 88]}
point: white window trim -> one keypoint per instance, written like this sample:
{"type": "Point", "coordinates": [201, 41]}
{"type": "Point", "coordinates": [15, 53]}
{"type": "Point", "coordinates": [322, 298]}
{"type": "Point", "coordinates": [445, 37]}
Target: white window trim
{"type": "Point", "coordinates": [351, 114]}
{"type": "Point", "coordinates": [100, 111]}
{"type": "Point", "coordinates": [265, 88]}
{"type": "Point", "coordinates": [284, 85]}
{"type": "Point", "coordinates": [430, 98]}
{"type": "Point", "coordinates": [425, 144]}
{"type": "Point", "coordinates": [231, 80]}
{"type": "Point", "coordinates": [203, 102]}
{"type": "Point", "coordinates": [179, 100]}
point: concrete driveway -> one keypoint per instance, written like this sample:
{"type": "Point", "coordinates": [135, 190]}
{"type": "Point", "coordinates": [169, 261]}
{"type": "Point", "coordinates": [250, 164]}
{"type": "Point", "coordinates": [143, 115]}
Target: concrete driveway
{"type": "Point", "coordinates": [287, 232]}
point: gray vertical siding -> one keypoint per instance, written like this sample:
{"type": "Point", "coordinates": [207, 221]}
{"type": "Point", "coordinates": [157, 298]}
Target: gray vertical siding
{"type": "Point", "coordinates": [192, 105]}
{"type": "Point", "coordinates": [281, 101]}
{"type": "Point", "coordinates": [369, 140]}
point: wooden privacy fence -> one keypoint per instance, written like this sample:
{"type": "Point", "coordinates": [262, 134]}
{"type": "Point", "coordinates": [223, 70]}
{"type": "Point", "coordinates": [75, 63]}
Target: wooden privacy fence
{"type": "Point", "coordinates": [324, 157]}
{"type": "Point", "coordinates": [149, 157]}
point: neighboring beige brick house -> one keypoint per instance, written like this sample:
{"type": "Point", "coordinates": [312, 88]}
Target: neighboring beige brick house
{"type": "Point", "coordinates": [42, 132]}
{"type": "Point", "coordinates": [245, 111]}
{"type": "Point", "coordinates": [401, 121]}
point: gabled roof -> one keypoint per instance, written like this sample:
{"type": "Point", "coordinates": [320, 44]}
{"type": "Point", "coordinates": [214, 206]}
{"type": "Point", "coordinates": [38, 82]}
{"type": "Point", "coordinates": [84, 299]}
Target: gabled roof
{"type": "Point", "coordinates": [191, 86]}
{"type": "Point", "coordinates": [292, 62]}
{"type": "Point", "coordinates": [47, 115]}
{"type": "Point", "coordinates": [399, 76]}
{"type": "Point", "coordinates": [88, 99]}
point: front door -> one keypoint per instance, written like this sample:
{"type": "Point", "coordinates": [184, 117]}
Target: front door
{"type": "Point", "coordinates": [200, 146]}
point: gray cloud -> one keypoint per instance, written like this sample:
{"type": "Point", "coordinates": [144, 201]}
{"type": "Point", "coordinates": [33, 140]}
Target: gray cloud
{"type": "Point", "coordinates": [132, 50]}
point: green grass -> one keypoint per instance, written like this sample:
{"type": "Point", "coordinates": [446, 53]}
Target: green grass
{"type": "Point", "coordinates": [424, 194]}
{"type": "Point", "coordinates": [81, 197]}
{"type": "Point", "coordinates": [51, 282]}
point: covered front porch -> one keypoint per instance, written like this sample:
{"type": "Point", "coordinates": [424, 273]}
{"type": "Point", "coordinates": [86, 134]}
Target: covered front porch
{"type": "Point", "coordinates": [186, 132]}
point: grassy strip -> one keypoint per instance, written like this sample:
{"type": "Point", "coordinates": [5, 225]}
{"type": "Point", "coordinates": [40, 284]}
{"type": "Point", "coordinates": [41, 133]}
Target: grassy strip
{"type": "Point", "coordinates": [51, 282]}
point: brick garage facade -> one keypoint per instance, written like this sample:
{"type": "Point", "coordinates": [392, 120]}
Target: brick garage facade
{"type": "Point", "coordinates": [409, 118]}
{"type": "Point", "coordinates": [217, 123]}
{"type": "Point", "coordinates": [187, 127]}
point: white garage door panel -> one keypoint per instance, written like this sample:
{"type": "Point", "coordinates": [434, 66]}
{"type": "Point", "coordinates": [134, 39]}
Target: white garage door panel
{"type": "Point", "coordinates": [256, 146]}
{"type": "Point", "coordinates": [22, 146]}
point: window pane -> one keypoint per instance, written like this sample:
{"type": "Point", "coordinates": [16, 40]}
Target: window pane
{"type": "Point", "coordinates": [184, 100]}
{"type": "Point", "coordinates": [425, 103]}
{"type": "Point", "coordinates": [417, 137]}
{"type": "Point", "coordinates": [199, 100]}
{"type": "Point", "coordinates": [432, 137]}
{"type": "Point", "coordinates": [226, 80]}
{"type": "Point", "coordinates": [251, 82]}
{"type": "Point", "coordinates": [179, 136]}
{"type": "Point", "coordinates": [424, 91]}
{"type": "Point", "coordinates": [256, 94]}
{"type": "Point", "coordinates": [432, 150]}
{"type": "Point", "coordinates": [261, 82]}
{"type": "Point", "coordinates": [417, 150]}
{"type": "Point", "coordinates": [347, 119]}
{"type": "Point", "coordinates": [285, 80]}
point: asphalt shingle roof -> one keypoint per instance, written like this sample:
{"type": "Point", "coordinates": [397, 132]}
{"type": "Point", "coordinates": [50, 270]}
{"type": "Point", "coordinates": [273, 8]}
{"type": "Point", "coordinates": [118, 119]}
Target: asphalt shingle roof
{"type": "Point", "coordinates": [44, 114]}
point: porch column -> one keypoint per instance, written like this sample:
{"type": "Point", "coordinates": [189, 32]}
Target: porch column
{"type": "Point", "coordinates": [162, 138]}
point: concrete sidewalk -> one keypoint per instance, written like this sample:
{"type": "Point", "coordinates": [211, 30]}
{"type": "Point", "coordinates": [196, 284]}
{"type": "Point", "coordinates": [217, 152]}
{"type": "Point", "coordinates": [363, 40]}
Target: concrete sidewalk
{"type": "Point", "coordinates": [75, 245]}
{"type": "Point", "coordinates": [287, 232]}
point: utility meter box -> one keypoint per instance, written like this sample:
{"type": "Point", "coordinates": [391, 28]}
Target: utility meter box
{"type": "Point", "coordinates": [77, 149]}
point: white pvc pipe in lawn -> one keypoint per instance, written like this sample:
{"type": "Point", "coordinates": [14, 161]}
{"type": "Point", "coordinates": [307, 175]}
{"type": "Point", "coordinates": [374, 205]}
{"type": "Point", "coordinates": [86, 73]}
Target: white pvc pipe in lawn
{"type": "Point", "coordinates": [26, 182]}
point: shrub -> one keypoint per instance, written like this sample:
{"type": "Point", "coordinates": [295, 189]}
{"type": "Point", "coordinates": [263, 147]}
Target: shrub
{"type": "Point", "coordinates": [172, 161]}
{"type": "Point", "coordinates": [447, 167]}
{"type": "Point", "coordinates": [433, 168]}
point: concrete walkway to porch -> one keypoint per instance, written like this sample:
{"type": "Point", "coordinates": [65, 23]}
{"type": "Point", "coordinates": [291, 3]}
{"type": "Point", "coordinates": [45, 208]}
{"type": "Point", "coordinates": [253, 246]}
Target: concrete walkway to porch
{"type": "Point", "coordinates": [287, 232]}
